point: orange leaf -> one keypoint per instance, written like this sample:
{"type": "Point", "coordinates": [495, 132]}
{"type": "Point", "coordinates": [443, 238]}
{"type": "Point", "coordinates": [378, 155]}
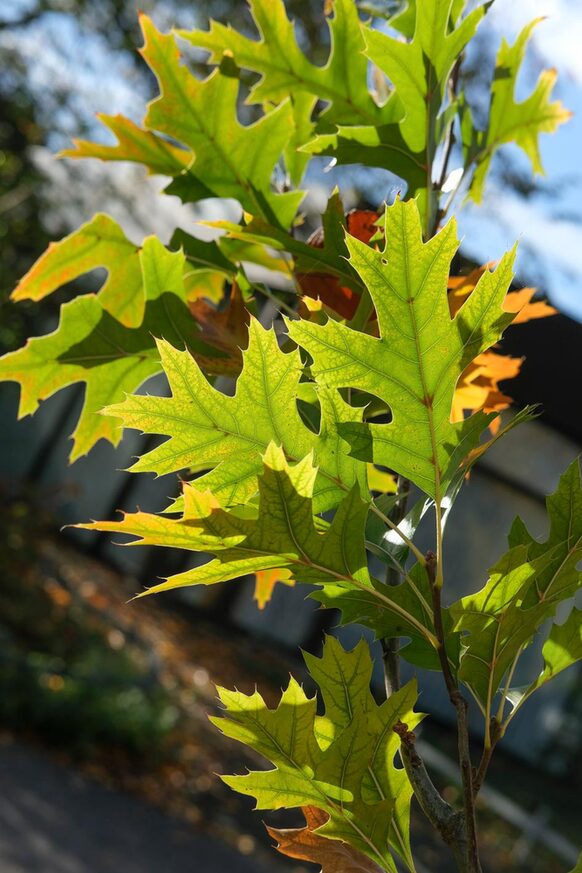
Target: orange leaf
{"type": "Point", "coordinates": [227, 329]}
{"type": "Point", "coordinates": [478, 387]}
{"type": "Point", "coordinates": [305, 844]}
{"type": "Point", "coordinates": [265, 581]}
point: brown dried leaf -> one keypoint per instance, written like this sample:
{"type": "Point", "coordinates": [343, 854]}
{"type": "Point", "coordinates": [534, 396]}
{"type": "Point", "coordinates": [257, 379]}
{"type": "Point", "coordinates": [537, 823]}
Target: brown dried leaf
{"type": "Point", "coordinates": [305, 844]}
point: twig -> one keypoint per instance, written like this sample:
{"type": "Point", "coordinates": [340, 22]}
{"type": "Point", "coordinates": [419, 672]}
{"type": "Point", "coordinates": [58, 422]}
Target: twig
{"type": "Point", "coordinates": [472, 864]}
{"type": "Point", "coordinates": [449, 823]}
{"type": "Point", "coordinates": [495, 733]}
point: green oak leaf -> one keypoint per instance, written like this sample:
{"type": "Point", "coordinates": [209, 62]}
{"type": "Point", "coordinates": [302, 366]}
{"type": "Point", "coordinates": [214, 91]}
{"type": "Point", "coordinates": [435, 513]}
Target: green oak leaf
{"type": "Point", "coordinates": [208, 430]}
{"type": "Point", "coordinates": [344, 680]}
{"type": "Point", "coordinates": [278, 532]}
{"type": "Point", "coordinates": [416, 362]}
{"type": "Point", "coordinates": [523, 591]}
{"type": "Point", "coordinates": [559, 579]}
{"type": "Point", "coordinates": [419, 70]}
{"type": "Point", "coordinates": [230, 160]}
{"type": "Point", "coordinates": [510, 121]}
{"type": "Point", "coordinates": [284, 69]}
{"type": "Point", "coordinates": [561, 650]}
{"type": "Point", "coordinates": [91, 346]}
{"type": "Point", "coordinates": [411, 617]}
{"type": "Point", "coordinates": [350, 775]}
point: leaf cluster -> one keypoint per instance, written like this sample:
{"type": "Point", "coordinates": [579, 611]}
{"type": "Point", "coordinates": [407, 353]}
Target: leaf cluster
{"type": "Point", "coordinates": [378, 380]}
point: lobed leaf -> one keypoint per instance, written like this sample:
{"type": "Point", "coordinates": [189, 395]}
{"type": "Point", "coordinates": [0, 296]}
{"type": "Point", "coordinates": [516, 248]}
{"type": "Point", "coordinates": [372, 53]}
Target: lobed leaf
{"type": "Point", "coordinates": [510, 121]}
{"type": "Point", "coordinates": [415, 364]}
{"type": "Point", "coordinates": [284, 69]}
{"type": "Point", "coordinates": [352, 777]}
{"type": "Point", "coordinates": [133, 144]}
{"type": "Point", "coordinates": [226, 435]}
{"type": "Point", "coordinates": [100, 242]}
{"type": "Point", "coordinates": [523, 591]}
{"type": "Point", "coordinates": [230, 160]}
{"type": "Point", "coordinates": [91, 346]}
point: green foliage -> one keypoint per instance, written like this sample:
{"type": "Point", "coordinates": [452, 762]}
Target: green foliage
{"type": "Point", "coordinates": [392, 366]}
{"type": "Point", "coordinates": [416, 362]}
{"type": "Point", "coordinates": [524, 590]}
{"type": "Point", "coordinates": [210, 431]}
{"type": "Point", "coordinates": [509, 121]}
{"type": "Point", "coordinates": [341, 762]}
{"type": "Point", "coordinates": [91, 345]}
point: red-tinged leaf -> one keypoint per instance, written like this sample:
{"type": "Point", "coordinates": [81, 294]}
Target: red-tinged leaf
{"type": "Point", "coordinates": [305, 844]}
{"type": "Point", "coordinates": [265, 581]}
{"type": "Point", "coordinates": [227, 329]}
{"type": "Point", "coordinates": [133, 144]}
{"type": "Point", "coordinates": [342, 299]}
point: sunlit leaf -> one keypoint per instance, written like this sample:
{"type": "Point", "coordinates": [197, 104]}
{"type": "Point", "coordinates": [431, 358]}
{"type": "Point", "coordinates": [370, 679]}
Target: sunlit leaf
{"type": "Point", "coordinates": [512, 121]}
{"type": "Point", "coordinates": [416, 362]}
{"type": "Point", "coordinates": [350, 774]}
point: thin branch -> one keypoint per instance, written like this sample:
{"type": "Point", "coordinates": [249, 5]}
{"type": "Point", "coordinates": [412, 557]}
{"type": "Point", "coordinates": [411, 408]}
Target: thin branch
{"type": "Point", "coordinates": [495, 733]}
{"type": "Point", "coordinates": [447, 821]}
{"type": "Point", "coordinates": [472, 864]}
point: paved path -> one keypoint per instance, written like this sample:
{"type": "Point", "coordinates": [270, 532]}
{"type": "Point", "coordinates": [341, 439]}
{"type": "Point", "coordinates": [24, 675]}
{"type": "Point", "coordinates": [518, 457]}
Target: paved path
{"type": "Point", "coordinates": [52, 820]}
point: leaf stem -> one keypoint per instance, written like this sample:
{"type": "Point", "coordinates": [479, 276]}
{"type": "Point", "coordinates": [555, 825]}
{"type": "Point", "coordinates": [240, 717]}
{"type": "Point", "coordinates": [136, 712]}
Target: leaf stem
{"type": "Point", "coordinates": [391, 645]}
{"type": "Point", "coordinates": [406, 540]}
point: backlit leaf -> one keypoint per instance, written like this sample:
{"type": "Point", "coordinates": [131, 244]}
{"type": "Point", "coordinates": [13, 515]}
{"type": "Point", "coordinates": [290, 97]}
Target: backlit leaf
{"type": "Point", "coordinates": [133, 144]}
{"type": "Point", "coordinates": [265, 581]}
{"type": "Point", "coordinates": [416, 362]}
{"type": "Point", "coordinates": [208, 430]}
{"type": "Point", "coordinates": [91, 346]}
{"type": "Point", "coordinates": [284, 69]}
{"type": "Point", "coordinates": [510, 121]}
{"type": "Point", "coordinates": [99, 243]}
{"type": "Point", "coordinates": [350, 776]}
{"type": "Point", "coordinates": [231, 160]}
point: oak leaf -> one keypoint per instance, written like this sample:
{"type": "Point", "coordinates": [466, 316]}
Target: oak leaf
{"type": "Point", "coordinates": [305, 844]}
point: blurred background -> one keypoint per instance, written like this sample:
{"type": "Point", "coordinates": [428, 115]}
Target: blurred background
{"type": "Point", "coordinates": [107, 760]}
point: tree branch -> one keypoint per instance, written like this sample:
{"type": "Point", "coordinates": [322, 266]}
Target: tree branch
{"type": "Point", "coordinates": [449, 822]}
{"type": "Point", "coordinates": [472, 864]}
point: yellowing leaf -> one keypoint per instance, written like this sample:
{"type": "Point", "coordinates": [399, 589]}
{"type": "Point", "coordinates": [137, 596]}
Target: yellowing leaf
{"type": "Point", "coordinates": [99, 243]}
{"type": "Point", "coordinates": [265, 581]}
{"type": "Point", "coordinates": [133, 144]}
{"type": "Point", "coordinates": [91, 346]}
